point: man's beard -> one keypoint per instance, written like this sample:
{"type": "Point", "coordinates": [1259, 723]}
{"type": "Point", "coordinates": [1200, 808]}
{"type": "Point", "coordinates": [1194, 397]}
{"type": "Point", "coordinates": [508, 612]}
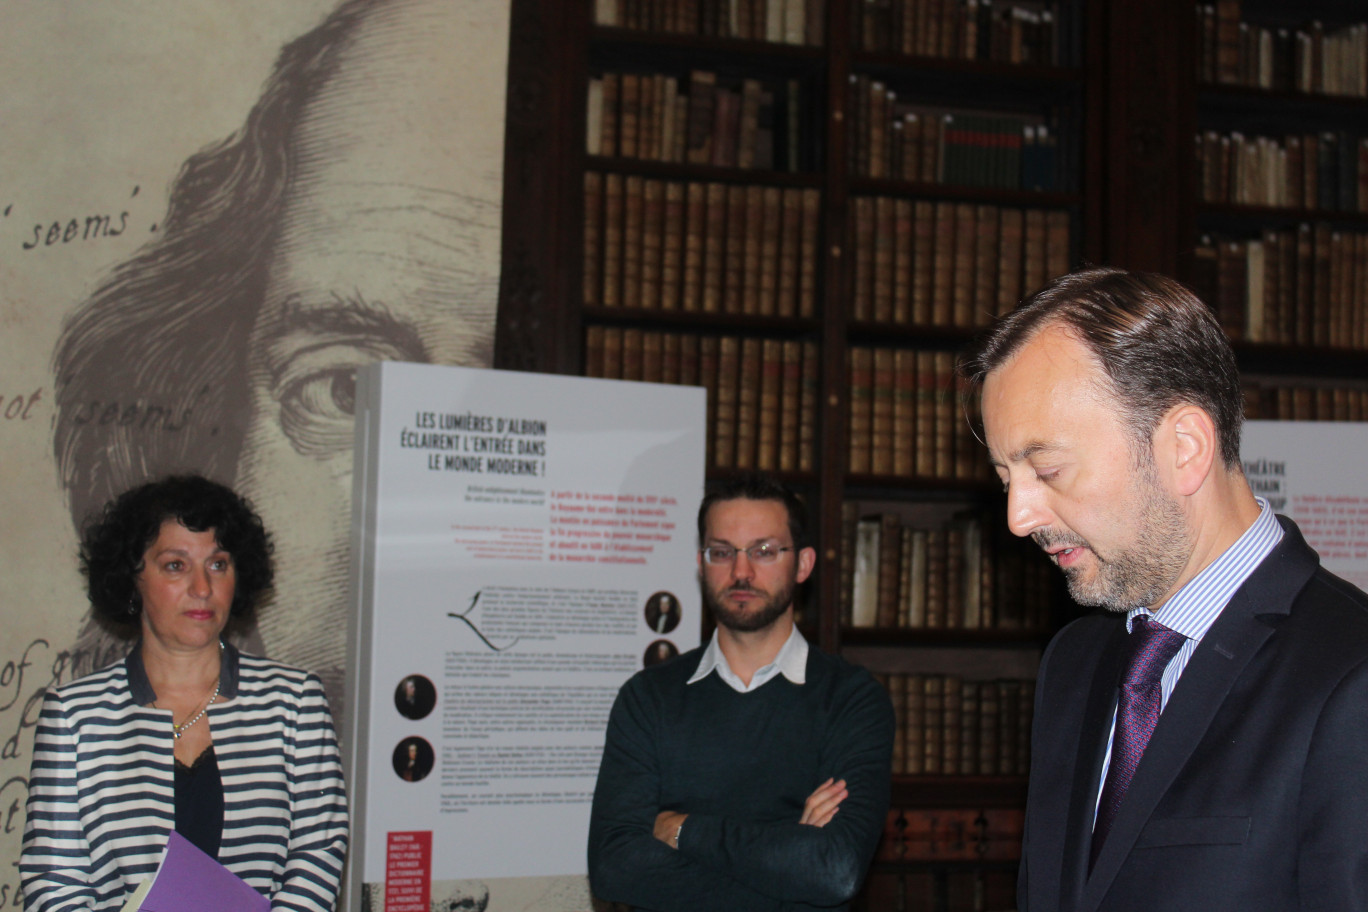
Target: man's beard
{"type": "Point", "coordinates": [1139, 575]}
{"type": "Point", "coordinates": [757, 617]}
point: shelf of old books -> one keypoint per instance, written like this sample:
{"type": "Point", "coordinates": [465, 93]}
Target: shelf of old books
{"type": "Point", "coordinates": [934, 857]}
{"type": "Point", "coordinates": [966, 129]}
{"type": "Point", "coordinates": [1315, 47]}
{"type": "Point", "coordinates": [1281, 177]}
{"type": "Point", "coordinates": [702, 247]}
{"type": "Point", "coordinates": [940, 573]}
{"type": "Point", "coordinates": [935, 882]}
{"type": "Point", "coordinates": [793, 23]}
{"type": "Point", "coordinates": [1018, 33]}
{"type": "Point", "coordinates": [950, 725]}
{"type": "Point", "coordinates": [1279, 397]}
{"type": "Point", "coordinates": [676, 112]}
{"type": "Point", "coordinates": [948, 263]}
{"type": "Point", "coordinates": [807, 207]}
{"type": "Point", "coordinates": [762, 390]}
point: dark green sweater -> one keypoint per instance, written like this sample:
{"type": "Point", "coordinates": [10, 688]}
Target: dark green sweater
{"type": "Point", "coordinates": [741, 766]}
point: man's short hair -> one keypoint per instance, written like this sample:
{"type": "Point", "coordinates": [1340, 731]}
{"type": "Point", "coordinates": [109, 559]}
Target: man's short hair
{"type": "Point", "coordinates": [1157, 343]}
{"type": "Point", "coordinates": [757, 486]}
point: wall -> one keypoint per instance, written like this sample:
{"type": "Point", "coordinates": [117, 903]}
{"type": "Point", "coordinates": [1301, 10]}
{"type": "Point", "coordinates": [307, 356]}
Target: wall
{"type": "Point", "coordinates": [197, 245]}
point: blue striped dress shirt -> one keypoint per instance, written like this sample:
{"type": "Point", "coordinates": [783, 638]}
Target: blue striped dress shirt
{"type": "Point", "coordinates": [1195, 607]}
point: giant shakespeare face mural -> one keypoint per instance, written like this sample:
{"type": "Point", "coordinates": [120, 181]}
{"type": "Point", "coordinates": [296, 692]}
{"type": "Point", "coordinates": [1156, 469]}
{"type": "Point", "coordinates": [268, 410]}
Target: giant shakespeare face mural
{"type": "Point", "coordinates": [333, 175]}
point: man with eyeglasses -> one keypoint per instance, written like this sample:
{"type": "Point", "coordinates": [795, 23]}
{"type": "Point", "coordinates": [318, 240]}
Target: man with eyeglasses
{"type": "Point", "coordinates": [752, 773]}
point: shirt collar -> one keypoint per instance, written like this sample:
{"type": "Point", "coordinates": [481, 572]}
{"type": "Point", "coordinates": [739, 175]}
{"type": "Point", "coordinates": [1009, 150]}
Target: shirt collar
{"type": "Point", "coordinates": [1195, 607]}
{"type": "Point", "coordinates": [791, 662]}
{"type": "Point", "coordinates": [141, 687]}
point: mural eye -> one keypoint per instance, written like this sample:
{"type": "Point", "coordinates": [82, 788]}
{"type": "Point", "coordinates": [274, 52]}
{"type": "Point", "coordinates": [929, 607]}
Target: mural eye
{"type": "Point", "coordinates": [316, 412]}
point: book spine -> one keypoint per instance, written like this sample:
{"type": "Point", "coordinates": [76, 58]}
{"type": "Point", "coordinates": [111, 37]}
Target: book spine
{"type": "Point", "coordinates": [923, 261]}
{"type": "Point", "coordinates": [861, 368]}
{"type": "Point", "coordinates": [734, 270]}
{"type": "Point", "coordinates": [613, 217]}
{"type": "Point", "coordinates": [728, 392]}
{"type": "Point", "coordinates": [807, 428]}
{"type": "Point", "coordinates": [882, 273]}
{"type": "Point", "coordinates": [904, 412]}
{"type": "Point", "coordinates": [695, 228]}
{"type": "Point", "coordinates": [714, 246]}
{"type": "Point", "coordinates": [612, 353]}
{"type": "Point", "coordinates": [769, 250]}
{"type": "Point", "coordinates": [652, 360]}
{"type": "Point", "coordinates": [890, 554]}
{"type": "Point", "coordinates": [924, 436]}
{"type": "Point", "coordinates": [865, 575]}
{"type": "Point", "coordinates": [901, 281]}
{"type": "Point", "coordinates": [709, 364]}
{"type": "Point", "coordinates": [592, 280]}
{"type": "Point", "coordinates": [629, 115]}
{"type": "Point", "coordinates": [790, 405]}
{"type": "Point", "coordinates": [943, 270]}
{"type": "Point", "coordinates": [790, 243]}
{"type": "Point", "coordinates": [633, 238]}
{"type": "Point", "coordinates": [962, 284]}
{"type": "Point", "coordinates": [593, 351]}
{"type": "Point", "coordinates": [983, 299]}
{"type": "Point", "coordinates": [807, 276]}
{"type": "Point", "coordinates": [671, 358]}
{"type": "Point", "coordinates": [632, 354]}
{"type": "Point", "coordinates": [881, 412]}
{"type": "Point", "coordinates": [652, 246]}
{"type": "Point", "coordinates": [863, 297]}
{"type": "Point", "coordinates": [673, 244]}
{"type": "Point", "coordinates": [771, 385]}
{"type": "Point", "coordinates": [748, 402]}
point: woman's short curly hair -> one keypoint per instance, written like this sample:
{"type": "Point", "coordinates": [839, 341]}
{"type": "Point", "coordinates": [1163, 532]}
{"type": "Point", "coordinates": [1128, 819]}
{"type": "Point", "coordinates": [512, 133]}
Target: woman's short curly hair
{"type": "Point", "coordinates": [116, 538]}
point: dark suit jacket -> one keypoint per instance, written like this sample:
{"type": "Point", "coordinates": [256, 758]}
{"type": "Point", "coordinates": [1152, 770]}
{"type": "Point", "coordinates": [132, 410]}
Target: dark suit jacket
{"type": "Point", "coordinates": [1253, 792]}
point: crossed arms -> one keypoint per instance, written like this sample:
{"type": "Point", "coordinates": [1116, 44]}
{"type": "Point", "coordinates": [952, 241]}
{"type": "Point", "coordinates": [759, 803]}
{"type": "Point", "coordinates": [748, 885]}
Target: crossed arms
{"type": "Point", "coordinates": [728, 861]}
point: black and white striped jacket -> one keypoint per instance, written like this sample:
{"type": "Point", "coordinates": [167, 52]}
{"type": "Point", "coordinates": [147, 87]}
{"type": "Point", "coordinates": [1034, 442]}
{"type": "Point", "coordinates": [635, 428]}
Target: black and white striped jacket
{"type": "Point", "coordinates": [101, 790]}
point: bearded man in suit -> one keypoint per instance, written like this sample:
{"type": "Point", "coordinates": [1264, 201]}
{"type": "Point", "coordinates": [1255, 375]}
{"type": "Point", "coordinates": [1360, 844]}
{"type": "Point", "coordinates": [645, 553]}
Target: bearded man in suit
{"type": "Point", "coordinates": [1199, 743]}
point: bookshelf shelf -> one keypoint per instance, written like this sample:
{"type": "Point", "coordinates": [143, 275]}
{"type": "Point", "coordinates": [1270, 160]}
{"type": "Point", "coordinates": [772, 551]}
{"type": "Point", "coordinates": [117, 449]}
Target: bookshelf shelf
{"type": "Point", "coordinates": [687, 172]}
{"type": "Point", "coordinates": [703, 321]}
{"type": "Point", "coordinates": [1254, 105]}
{"type": "Point", "coordinates": [942, 70]}
{"type": "Point", "coordinates": [959, 791]}
{"type": "Point", "coordinates": [1234, 217]}
{"type": "Point", "coordinates": [995, 638]}
{"type": "Point", "coordinates": [1280, 195]}
{"type": "Point", "coordinates": [870, 186]}
{"type": "Point", "coordinates": [701, 49]}
{"type": "Point", "coordinates": [910, 335]}
{"type": "Point", "coordinates": [922, 488]}
{"type": "Point", "coordinates": [1262, 360]}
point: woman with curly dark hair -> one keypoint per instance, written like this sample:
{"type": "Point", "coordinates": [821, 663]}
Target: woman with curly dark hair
{"type": "Point", "coordinates": [234, 752]}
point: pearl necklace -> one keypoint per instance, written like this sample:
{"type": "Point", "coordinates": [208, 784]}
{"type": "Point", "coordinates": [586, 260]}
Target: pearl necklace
{"type": "Point", "coordinates": [178, 730]}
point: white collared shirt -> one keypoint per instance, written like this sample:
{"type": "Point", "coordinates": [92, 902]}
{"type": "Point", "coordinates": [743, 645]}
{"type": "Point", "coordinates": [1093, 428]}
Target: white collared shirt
{"type": "Point", "coordinates": [791, 662]}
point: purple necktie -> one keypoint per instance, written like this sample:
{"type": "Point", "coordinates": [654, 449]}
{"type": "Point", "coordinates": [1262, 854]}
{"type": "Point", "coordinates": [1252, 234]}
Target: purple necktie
{"type": "Point", "coordinates": [1152, 646]}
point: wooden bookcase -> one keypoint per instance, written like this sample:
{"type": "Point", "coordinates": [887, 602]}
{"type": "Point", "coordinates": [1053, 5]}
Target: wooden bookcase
{"type": "Point", "coordinates": [1121, 96]}
{"type": "Point", "coordinates": [1281, 197]}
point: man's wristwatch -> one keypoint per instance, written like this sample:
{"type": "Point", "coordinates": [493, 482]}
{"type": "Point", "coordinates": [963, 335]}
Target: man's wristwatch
{"type": "Point", "coordinates": [679, 829]}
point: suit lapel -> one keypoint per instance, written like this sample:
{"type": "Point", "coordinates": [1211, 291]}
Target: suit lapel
{"type": "Point", "coordinates": [1218, 662]}
{"type": "Point", "coordinates": [1091, 751]}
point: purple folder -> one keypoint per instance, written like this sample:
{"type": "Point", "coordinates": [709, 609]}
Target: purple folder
{"type": "Point", "coordinates": [187, 880]}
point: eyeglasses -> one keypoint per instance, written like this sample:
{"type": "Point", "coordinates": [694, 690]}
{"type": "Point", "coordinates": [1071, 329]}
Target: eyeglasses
{"type": "Point", "coordinates": [719, 555]}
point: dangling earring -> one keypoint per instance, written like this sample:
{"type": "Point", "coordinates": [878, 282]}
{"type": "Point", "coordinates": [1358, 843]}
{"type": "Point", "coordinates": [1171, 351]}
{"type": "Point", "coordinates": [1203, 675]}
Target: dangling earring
{"type": "Point", "coordinates": [132, 606]}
